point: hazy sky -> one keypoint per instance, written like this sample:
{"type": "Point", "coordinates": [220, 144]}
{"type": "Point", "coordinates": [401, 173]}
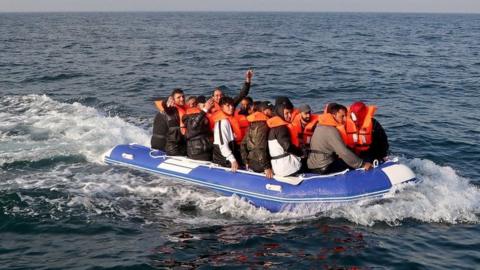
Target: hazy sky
{"type": "Point", "coordinates": [468, 6]}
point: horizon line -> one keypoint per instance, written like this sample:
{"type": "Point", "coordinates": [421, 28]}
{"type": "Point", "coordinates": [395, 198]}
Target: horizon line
{"type": "Point", "coordinates": [241, 11]}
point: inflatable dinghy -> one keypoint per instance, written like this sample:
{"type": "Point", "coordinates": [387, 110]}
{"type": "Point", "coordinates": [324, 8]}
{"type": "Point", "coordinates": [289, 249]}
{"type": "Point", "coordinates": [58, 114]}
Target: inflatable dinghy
{"type": "Point", "coordinates": [280, 193]}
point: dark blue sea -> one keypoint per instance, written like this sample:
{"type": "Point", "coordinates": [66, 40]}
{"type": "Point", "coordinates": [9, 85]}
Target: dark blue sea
{"type": "Point", "coordinates": [73, 85]}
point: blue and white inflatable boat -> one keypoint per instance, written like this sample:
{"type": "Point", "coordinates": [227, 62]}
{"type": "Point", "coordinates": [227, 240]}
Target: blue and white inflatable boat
{"type": "Point", "coordinates": [281, 193]}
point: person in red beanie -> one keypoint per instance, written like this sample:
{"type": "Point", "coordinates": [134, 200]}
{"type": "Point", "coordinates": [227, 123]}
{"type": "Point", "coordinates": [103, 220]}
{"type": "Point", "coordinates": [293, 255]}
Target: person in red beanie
{"type": "Point", "coordinates": [365, 136]}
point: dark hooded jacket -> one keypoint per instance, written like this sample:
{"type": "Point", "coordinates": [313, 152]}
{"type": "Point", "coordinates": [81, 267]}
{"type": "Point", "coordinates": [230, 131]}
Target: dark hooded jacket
{"type": "Point", "coordinates": [167, 135]}
{"type": "Point", "coordinates": [254, 147]}
{"type": "Point", "coordinates": [199, 145]}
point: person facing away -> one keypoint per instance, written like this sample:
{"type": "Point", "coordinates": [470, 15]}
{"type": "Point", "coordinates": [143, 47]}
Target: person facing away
{"type": "Point", "coordinates": [226, 147]}
{"type": "Point", "coordinates": [328, 153]}
{"type": "Point", "coordinates": [305, 123]}
{"type": "Point", "coordinates": [198, 133]}
{"type": "Point", "coordinates": [285, 156]}
{"type": "Point", "coordinates": [168, 129]}
{"type": "Point", "coordinates": [365, 136]}
{"type": "Point", "coordinates": [254, 147]}
{"type": "Point", "coordinates": [219, 92]}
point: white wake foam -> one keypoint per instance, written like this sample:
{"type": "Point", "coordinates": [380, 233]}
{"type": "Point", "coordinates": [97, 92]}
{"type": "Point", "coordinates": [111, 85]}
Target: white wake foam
{"type": "Point", "coordinates": [36, 127]}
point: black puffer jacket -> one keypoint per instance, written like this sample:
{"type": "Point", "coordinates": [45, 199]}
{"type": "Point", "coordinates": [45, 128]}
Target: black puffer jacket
{"type": "Point", "coordinates": [160, 129]}
{"type": "Point", "coordinates": [199, 145]}
{"type": "Point", "coordinates": [254, 147]}
{"type": "Point", "coordinates": [166, 133]}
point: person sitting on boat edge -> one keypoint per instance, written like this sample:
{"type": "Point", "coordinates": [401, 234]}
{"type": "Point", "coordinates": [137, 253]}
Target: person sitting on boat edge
{"type": "Point", "coordinates": [168, 128]}
{"type": "Point", "coordinates": [285, 155]}
{"type": "Point", "coordinates": [198, 132]}
{"type": "Point", "coordinates": [254, 147]}
{"type": "Point", "coordinates": [226, 149]}
{"type": "Point", "coordinates": [219, 92]}
{"type": "Point", "coordinates": [328, 153]}
{"type": "Point", "coordinates": [305, 123]}
{"type": "Point", "coordinates": [365, 136]}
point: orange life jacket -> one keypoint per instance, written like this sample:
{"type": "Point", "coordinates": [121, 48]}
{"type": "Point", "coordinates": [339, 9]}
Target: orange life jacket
{"type": "Point", "coordinates": [242, 121]}
{"type": "Point", "coordinates": [256, 117]}
{"type": "Point", "coordinates": [327, 119]}
{"type": "Point", "coordinates": [160, 104]}
{"type": "Point", "coordinates": [216, 107]}
{"type": "Point", "coordinates": [360, 139]}
{"type": "Point", "coordinates": [305, 134]}
{"type": "Point", "coordinates": [277, 121]}
{"type": "Point", "coordinates": [237, 131]}
{"type": "Point", "coordinates": [192, 111]}
{"type": "Point", "coordinates": [295, 112]}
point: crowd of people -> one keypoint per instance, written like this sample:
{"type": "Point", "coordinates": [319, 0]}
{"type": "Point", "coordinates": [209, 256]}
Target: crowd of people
{"type": "Point", "coordinates": [275, 139]}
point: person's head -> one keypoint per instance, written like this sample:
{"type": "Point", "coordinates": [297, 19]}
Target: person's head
{"type": "Point", "coordinates": [266, 108]}
{"type": "Point", "coordinates": [218, 93]}
{"type": "Point", "coordinates": [201, 100]}
{"type": "Point", "coordinates": [255, 107]}
{"type": "Point", "coordinates": [192, 102]}
{"type": "Point", "coordinates": [284, 108]}
{"type": "Point", "coordinates": [305, 113]}
{"type": "Point", "coordinates": [227, 105]}
{"type": "Point", "coordinates": [178, 97]}
{"type": "Point", "coordinates": [246, 106]}
{"type": "Point", "coordinates": [338, 111]}
{"type": "Point", "coordinates": [358, 111]}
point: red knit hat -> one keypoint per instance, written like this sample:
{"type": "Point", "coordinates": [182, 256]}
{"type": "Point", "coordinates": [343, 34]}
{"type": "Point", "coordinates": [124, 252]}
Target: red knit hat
{"type": "Point", "coordinates": [360, 110]}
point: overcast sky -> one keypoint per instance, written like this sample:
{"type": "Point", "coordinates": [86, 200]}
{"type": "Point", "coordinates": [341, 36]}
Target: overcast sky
{"type": "Point", "coordinates": [444, 6]}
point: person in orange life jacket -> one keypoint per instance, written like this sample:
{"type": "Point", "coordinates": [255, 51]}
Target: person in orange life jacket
{"type": "Point", "coordinates": [305, 123]}
{"type": "Point", "coordinates": [254, 147]}
{"type": "Point", "coordinates": [226, 150]}
{"type": "Point", "coordinates": [366, 136]}
{"type": "Point", "coordinates": [219, 92]}
{"type": "Point", "coordinates": [199, 145]}
{"type": "Point", "coordinates": [328, 153]}
{"type": "Point", "coordinates": [191, 102]}
{"type": "Point", "coordinates": [168, 129]}
{"type": "Point", "coordinates": [285, 156]}
{"type": "Point", "coordinates": [246, 108]}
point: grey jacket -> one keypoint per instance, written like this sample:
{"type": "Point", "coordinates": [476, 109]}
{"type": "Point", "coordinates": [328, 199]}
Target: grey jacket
{"type": "Point", "coordinates": [328, 142]}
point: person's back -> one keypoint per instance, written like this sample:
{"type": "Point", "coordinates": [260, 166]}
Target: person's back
{"type": "Point", "coordinates": [328, 152]}
{"type": "Point", "coordinates": [160, 130]}
{"type": "Point", "coordinates": [199, 145]}
{"type": "Point", "coordinates": [254, 147]}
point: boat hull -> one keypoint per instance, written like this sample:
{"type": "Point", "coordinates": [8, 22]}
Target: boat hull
{"type": "Point", "coordinates": [273, 194]}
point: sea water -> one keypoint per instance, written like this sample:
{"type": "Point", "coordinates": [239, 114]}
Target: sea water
{"type": "Point", "coordinates": [73, 85]}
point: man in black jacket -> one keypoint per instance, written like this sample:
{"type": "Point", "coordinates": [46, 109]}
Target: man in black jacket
{"type": "Point", "coordinates": [254, 147]}
{"type": "Point", "coordinates": [199, 145]}
{"type": "Point", "coordinates": [167, 127]}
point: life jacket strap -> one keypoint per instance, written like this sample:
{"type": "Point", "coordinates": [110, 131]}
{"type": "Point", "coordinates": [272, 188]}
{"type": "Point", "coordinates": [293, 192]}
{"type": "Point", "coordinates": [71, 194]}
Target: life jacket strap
{"type": "Point", "coordinates": [280, 156]}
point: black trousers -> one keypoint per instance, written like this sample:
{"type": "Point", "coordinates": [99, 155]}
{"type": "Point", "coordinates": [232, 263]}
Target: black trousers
{"type": "Point", "coordinates": [338, 165]}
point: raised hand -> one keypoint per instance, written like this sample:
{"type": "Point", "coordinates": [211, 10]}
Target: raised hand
{"type": "Point", "coordinates": [249, 75]}
{"type": "Point", "coordinates": [209, 104]}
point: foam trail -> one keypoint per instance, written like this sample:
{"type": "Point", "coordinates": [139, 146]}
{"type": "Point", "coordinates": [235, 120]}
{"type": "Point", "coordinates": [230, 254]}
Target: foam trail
{"type": "Point", "coordinates": [36, 127]}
